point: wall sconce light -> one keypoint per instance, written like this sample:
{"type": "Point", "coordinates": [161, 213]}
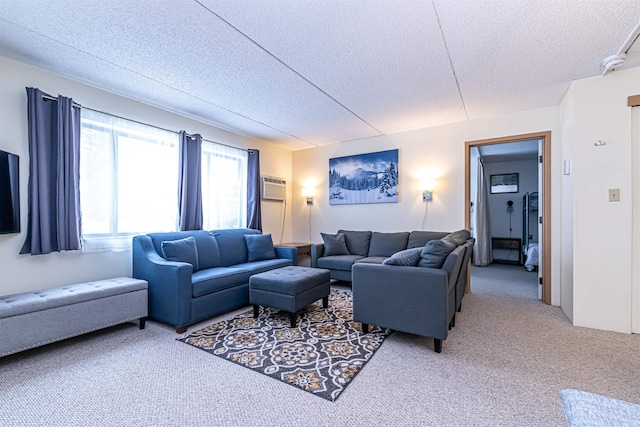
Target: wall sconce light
{"type": "Point", "coordinates": [308, 193]}
{"type": "Point", "coordinates": [426, 186]}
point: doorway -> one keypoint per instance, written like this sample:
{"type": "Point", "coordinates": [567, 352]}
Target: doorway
{"type": "Point", "coordinates": [544, 211]}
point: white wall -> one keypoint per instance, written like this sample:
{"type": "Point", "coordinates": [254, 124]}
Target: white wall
{"type": "Point", "coordinates": [527, 171]}
{"type": "Point", "coordinates": [21, 273]}
{"type": "Point", "coordinates": [567, 112]}
{"type": "Point", "coordinates": [437, 152]}
{"type": "Point", "coordinates": [602, 230]}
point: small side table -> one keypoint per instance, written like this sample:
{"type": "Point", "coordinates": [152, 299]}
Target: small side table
{"type": "Point", "coordinates": [304, 252]}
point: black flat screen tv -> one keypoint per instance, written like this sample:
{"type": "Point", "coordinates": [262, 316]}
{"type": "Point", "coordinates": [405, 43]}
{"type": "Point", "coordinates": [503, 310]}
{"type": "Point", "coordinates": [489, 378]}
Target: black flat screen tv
{"type": "Point", "coordinates": [9, 193]}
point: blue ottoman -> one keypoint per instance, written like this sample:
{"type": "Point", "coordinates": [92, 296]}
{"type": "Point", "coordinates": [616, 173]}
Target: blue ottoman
{"type": "Point", "coordinates": [289, 289]}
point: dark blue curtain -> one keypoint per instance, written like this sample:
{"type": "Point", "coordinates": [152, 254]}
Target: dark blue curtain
{"type": "Point", "coordinates": [190, 186]}
{"type": "Point", "coordinates": [54, 163]}
{"type": "Point", "coordinates": [254, 215]}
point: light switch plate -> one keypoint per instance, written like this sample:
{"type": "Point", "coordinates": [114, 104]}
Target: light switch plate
{"type": "Point", "coordinates": [614, 194]}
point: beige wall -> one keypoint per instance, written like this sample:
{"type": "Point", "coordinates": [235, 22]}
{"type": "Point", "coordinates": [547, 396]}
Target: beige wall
{"type": "Point", "coordinates": [436, 152]}
{"type": "Point", "coordinates": [602, 230]}
{"type": "Point", "coordinates": [21, 273]}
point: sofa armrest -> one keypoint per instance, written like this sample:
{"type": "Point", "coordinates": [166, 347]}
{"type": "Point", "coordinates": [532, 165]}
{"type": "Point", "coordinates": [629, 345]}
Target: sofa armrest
{"type": "Point", "coordinates": [317, 250]}
{"type": "Point", "coordinates": [287, 252]}
{"type": "Point", "coordinates": [170, 287]}
{"type": "Point", "coordinates": [408, 299]}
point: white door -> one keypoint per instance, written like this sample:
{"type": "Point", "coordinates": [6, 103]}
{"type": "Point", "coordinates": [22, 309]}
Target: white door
{"type": "Point", "coordinates": [635, 245]}
{"type": "Point", "coordinates": [540, 210]}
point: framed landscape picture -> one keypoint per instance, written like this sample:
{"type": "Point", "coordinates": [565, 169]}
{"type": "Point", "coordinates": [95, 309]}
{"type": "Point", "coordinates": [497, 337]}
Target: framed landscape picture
{"type": "Point", "coordinates": [364, 178]}
{"type": "Point", "coordinates": [504, 183]}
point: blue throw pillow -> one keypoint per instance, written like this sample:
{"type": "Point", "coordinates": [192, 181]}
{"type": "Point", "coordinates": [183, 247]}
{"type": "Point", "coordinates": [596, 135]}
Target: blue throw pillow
{"type": "Point", "coordinates": [334, 244]}
{"type": "Point", "coordinates": [435, 253]}
{"type": "Point", "coordinates": [181, 250]}
{"type": "Point", "coordinates": [260, 247]}
{"type": "Point", "coordinates": [408, 257]}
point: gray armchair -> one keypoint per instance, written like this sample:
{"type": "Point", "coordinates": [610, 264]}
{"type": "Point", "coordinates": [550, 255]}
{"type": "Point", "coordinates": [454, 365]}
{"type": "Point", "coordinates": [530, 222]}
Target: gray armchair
{"type": "Point", "coordinates": [416, 300]}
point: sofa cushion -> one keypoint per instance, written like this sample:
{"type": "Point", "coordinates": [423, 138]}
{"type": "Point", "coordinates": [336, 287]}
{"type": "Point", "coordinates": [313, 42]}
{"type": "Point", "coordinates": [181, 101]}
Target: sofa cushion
{"type": "Point", "coordinates": [387, 244]}
{"type": "Point", "coordinates": [208, 252]}
{"type": "Point", "coordinates": [408, 257]}
{"type": "Point", "coordinates": [357, 241]}
{"type": "Point", "coordinates": [371, 260]}
{"type": "Point", "coordinates": [435, 253]}
{"type": "Point", "coordinates": [458, 237]}
{"type": "Point", "coordinates": [256, 267]}
{"type": "Point", "coordinates": [259, 247]}
{"type": "Point", "coordinates": [218, 278]}
{"type": "Point", "coordinates": [334, 244]}
{"type": "Point", "coordinates": [338, 262]}
{"type": "Point", "coordinates": [233, 249]}
{"type": "Point", "coordinates": [181, 250]}
{"type": "Point", "coordinates": [417, 239]}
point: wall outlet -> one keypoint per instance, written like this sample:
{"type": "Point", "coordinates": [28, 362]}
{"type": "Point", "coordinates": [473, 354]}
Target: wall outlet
{"type": "Point", "coordinates": [614, 194]}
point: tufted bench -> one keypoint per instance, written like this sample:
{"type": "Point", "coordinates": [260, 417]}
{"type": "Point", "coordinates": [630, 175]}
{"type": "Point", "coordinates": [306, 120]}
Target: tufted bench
{"type": "Point", "coordinates": [31, 319]}
{"type": "Point", "coordinates": [289, 289]}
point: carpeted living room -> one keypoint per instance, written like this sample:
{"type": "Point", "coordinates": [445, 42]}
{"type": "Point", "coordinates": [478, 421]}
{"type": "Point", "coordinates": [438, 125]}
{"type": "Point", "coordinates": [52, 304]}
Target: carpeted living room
{"type": "Point", "coordinates": [358, 212]}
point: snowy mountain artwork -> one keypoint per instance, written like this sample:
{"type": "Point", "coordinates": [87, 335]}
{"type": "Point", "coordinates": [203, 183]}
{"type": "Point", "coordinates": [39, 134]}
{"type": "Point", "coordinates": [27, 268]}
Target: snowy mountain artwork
{"type": "Point", "coordinates": [364, 178]}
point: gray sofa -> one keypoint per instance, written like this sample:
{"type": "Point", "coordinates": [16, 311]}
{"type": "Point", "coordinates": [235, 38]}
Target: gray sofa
{"type": "Point", "coordinates": [185, 288]}
{"type": "Point", "coordinates": [415, 294]}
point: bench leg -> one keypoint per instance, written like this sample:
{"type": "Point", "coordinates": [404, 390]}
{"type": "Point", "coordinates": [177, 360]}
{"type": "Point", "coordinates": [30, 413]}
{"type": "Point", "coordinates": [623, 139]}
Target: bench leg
{"type": "Point", "coordinates": [142, 322]}
{"type": "Point", "coordinates": [256, 311]}
{"type": "Point", "coordinates": [325, 302]}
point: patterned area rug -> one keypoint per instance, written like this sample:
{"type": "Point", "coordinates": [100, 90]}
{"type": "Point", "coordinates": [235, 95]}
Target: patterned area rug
{"type": "Point", "coordinates": [322, 355]}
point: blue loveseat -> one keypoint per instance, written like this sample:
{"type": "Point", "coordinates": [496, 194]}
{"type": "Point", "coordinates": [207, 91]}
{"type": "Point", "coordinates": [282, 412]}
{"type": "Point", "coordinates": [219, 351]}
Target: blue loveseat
{"type": "Point", "coordinates": [215, 282]}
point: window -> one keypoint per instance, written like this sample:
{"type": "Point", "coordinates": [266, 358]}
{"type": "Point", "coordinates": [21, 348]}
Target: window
{"type": "Point", "coordinates": [224, 186]}
{"type": "Point", "coordinates": [128, 181]}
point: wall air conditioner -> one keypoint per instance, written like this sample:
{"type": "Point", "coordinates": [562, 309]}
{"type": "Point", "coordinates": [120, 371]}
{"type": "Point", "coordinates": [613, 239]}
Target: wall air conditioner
{"type": "Point", "coordinates": [273, 188]}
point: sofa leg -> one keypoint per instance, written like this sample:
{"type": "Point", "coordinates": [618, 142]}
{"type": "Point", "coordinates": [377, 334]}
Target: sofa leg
{"type": "Point", "coordinates": [325, 302]}
{"type": "Point", "coordinates": [460, 308]}
{"type": "Point", "coordinates": [256, 311]}
{"type": "Point", "coordinates": [365, 328]}
{"type": "Point", "coordinates": [437, 345]}
{"type": "Point", "coordinates": [293, 318]}
{"type": "Point", "coordinates": [181, 329]}
{"type": "Point", "coordinates": [453, 321]}
{"type": "Point", "coordinates": [142, 322]}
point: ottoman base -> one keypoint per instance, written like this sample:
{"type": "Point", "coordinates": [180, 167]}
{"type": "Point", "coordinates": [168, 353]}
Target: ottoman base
{"type": "Point", "coordinates": [289, 289]}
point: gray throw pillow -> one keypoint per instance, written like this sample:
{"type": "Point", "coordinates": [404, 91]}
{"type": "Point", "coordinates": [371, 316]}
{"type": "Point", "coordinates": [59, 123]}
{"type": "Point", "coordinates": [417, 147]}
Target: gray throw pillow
{"type": "Point", "coordinates": [181, 250]}
{"type": "Point", "coordinates": [334, 244]}
{"type": "Point", "coordinates": [435, 253]}
{"type": "Point", "coordinates": [458, 237]}
{"type": "Point", "coordinates": [408, 257]}
{"type": "Point", "coordinates": [259, 247]}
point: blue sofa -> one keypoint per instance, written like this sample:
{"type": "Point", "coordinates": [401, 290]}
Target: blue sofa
{"type": "Point", "coordinates": [181, 294]}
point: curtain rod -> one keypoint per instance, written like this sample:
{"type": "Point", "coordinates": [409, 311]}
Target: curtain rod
{"type": "Point", "coordinates": [75, 104]}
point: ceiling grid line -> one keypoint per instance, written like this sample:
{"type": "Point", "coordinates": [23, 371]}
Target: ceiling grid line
{"type": "Point", "coordinates": [290, 68]}
{"type": "Point", "coordinates": [453, 70]}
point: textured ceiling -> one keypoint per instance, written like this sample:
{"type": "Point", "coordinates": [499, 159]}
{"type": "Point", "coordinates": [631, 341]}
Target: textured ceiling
{"type": "Point", "coordinates": [308, 73]}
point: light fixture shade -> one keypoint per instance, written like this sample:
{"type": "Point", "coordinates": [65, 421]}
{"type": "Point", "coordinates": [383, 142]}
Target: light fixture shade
{"type": "Point", "coordinates": [307, 192]}
{"type": "Point", "coordinates": [426, 185]}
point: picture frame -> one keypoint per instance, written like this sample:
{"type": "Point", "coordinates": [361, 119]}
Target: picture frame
{"type": "Point", "coordinates": [364, 178]}
{"type": "Point", "coordinates": [504, 183]}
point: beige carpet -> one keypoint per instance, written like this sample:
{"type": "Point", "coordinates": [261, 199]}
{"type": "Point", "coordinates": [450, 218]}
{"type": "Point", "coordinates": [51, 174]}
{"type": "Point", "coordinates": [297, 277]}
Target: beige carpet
{"type": "Point", "coordinates": [504, 364]}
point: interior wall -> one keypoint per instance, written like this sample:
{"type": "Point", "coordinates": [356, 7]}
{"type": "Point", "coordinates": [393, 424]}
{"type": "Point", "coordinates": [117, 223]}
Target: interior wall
{"type": "Point", "coordinates": [436, 152]}
{"type": "Point", "coordinates": [21, 273]}
{"type": "Point", "coordinates": [527, 171]}
{"type": "Point", "coordinates": [567, 112]}
{"type": "Point", "coordinates": [602, 232]}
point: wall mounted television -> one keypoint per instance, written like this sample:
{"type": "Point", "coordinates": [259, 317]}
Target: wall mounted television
{"type": "Point", "coordinates": [9, 193]}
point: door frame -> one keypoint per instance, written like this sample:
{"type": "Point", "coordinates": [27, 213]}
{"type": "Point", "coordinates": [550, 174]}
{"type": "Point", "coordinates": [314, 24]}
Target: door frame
{"type": "Point", "coordinates": [546, 197]}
